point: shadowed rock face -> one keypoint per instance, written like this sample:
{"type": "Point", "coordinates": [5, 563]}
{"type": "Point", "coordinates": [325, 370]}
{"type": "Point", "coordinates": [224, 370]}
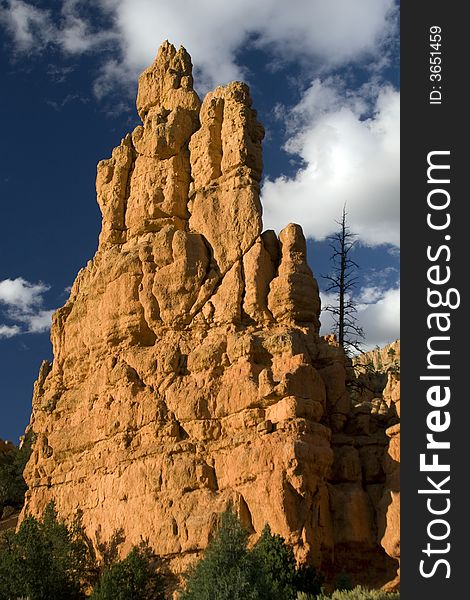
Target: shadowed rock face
{"type": "Point", "coordinates": [188, 372]}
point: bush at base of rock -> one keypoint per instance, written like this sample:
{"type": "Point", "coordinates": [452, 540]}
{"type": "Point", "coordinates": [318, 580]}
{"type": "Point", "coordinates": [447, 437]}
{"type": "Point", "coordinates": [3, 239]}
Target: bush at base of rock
{"type": "Point", "coordinates": [358, 593]}
{"type": "Point", "coordinates": [279, 563]}
{"type": "Point", "coordinates": [284, 576]}
{"type": "Point", "coordinates": [133, 577]}
{"type": "Point", "coordinates": [229, 571]}
{"type": "Point", "coordinates": [44, 559]}
{"type": "Point", "coordinates": [48, 560]}
{"type": "Point", "coordinates": [12, 463]}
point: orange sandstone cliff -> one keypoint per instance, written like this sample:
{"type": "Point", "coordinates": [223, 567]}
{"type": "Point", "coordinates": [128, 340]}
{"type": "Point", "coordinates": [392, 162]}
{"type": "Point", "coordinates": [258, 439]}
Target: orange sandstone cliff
{"type": "Point", "coordinates": [188, 372]}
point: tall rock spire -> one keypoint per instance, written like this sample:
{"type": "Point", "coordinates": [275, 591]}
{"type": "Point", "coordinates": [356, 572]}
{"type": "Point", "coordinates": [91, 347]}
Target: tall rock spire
{"type": "Point", "coordinates": [188, 369]}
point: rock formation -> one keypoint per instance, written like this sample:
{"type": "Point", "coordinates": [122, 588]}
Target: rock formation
{"type": "Point", "coordinates": [376, 395]}
{"type": "Point", "coordinates": [188, 371]}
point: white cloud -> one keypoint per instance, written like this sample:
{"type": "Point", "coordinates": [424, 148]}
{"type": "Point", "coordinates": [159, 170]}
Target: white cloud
{"type": "Point", "coordinates": [20, 294]}
{"type": "Point", "coordinates": [29, 26]}
{"type": "Point", "coordinates": [331, 33]}
{"type": "Point", "coordinates": [32, 28]}
{"type": "Point", "coordinates": [324, 34]}
{"type": "Point", "coordinates": [378, 313]}
{"type": "Point", "coordinates": [7, 331]}
{"type": "Point", "coordinates": [350, 145]}
{"type": "Point", "coordinates": [326, 317]}
{"type": "Point", "coordinates": [23, 302]}
{"type": "Point", "coordinates": [370, 294]}
{"type": "Point", "coordinates": [38, 322]}
{"type": "Point", "coordinates": [381, 319]}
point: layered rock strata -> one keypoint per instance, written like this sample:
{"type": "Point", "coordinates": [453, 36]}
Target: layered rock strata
{"type": "Point", "coordinates": [188, 371]}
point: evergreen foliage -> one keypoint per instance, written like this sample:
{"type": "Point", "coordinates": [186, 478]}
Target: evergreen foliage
{"type": "Point", "coordinates": [12, 484]}
{"type": "Point", "coordinates": [279, 564]}
{"type": "Point", "coordinates": [133, 577]}
{"type": "Point", "coordinates": [44, 559]}
{"type": "Point", "coordinates": [285, 579]}
{"type": "Point", "coordinates": [308, 580]}
{"type": "Point", "coordinates": [47, 560]}
{"type": "Point", "coordinates": [230, 571]}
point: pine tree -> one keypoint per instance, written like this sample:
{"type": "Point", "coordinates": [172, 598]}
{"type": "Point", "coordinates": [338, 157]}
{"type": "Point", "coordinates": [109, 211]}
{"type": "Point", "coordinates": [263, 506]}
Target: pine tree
{"type": "Point", "coordinates": [279, 564]}
{"type": "Point", "coordinates": [228, 571]}
{"type": "Point", "coordinates": [12, 484]}
{"type": "Point", "coordinates": [135, 576]}
{"type": "Point", "coordinates": [44, 559]}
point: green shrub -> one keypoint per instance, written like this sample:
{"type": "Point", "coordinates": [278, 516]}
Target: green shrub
{"type": "Point", "coordinates": [308, 581]}
{"type": "Point", "coordinates": [134, 577]}
{"type": "Point", "coordinates": [360, 593]}
{"type": "Point", "coordinates": [44, 559]}
{"type": "Point", "coordinates": [228, 571]}
{"type": "Point", "coordinates": [12, 484]}
{"type": "Point", "coordinates": [47, 560]}
{"type": "Point", "coordinates": [279, 564]}
{"type": "Point", "coordinates": [284, 577]}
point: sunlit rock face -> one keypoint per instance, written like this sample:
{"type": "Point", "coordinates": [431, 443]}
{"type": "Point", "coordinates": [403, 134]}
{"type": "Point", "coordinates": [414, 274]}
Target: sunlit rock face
{"type": "Point", "coordinates": [188, 373]}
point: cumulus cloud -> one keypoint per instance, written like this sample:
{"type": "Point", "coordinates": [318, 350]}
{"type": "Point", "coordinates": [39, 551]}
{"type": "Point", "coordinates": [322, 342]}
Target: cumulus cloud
{"type": "Point", "coordinates": [22, 303]}
{"type": "Point", "coordinates": [37, 322]}
{"type": "Point", "coordinates": [327, 34]}
{"type": "Point", "coordinates": [349, 144]}
{"type": "Point", "coordinates": [33, 29]}
{"type": "Point", "coordinates": [381, 319]}
{"type": "Point", "coordinates": [378, 313]}
{"type": "Point", "coordinates": [21, 294]}
{"type": "Point", "coordinates": [330, 33]}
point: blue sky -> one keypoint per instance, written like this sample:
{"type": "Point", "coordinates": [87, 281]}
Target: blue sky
{"type": "Point", "coordinates": [324, 79]}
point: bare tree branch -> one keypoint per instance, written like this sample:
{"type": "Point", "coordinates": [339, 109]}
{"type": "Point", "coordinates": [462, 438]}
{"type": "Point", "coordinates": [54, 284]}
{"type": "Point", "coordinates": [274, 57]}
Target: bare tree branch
{"type": "Point", "coordinates": [343, 280]}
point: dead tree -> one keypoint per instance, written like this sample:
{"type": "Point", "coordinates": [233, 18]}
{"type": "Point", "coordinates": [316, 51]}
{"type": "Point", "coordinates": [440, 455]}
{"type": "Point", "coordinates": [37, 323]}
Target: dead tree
{"type": "Point", "coordinates": [342, 282]}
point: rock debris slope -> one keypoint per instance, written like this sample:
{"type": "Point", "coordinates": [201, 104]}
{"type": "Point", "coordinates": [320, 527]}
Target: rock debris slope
{"type": "Point", "coordinates": [188, 371]}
